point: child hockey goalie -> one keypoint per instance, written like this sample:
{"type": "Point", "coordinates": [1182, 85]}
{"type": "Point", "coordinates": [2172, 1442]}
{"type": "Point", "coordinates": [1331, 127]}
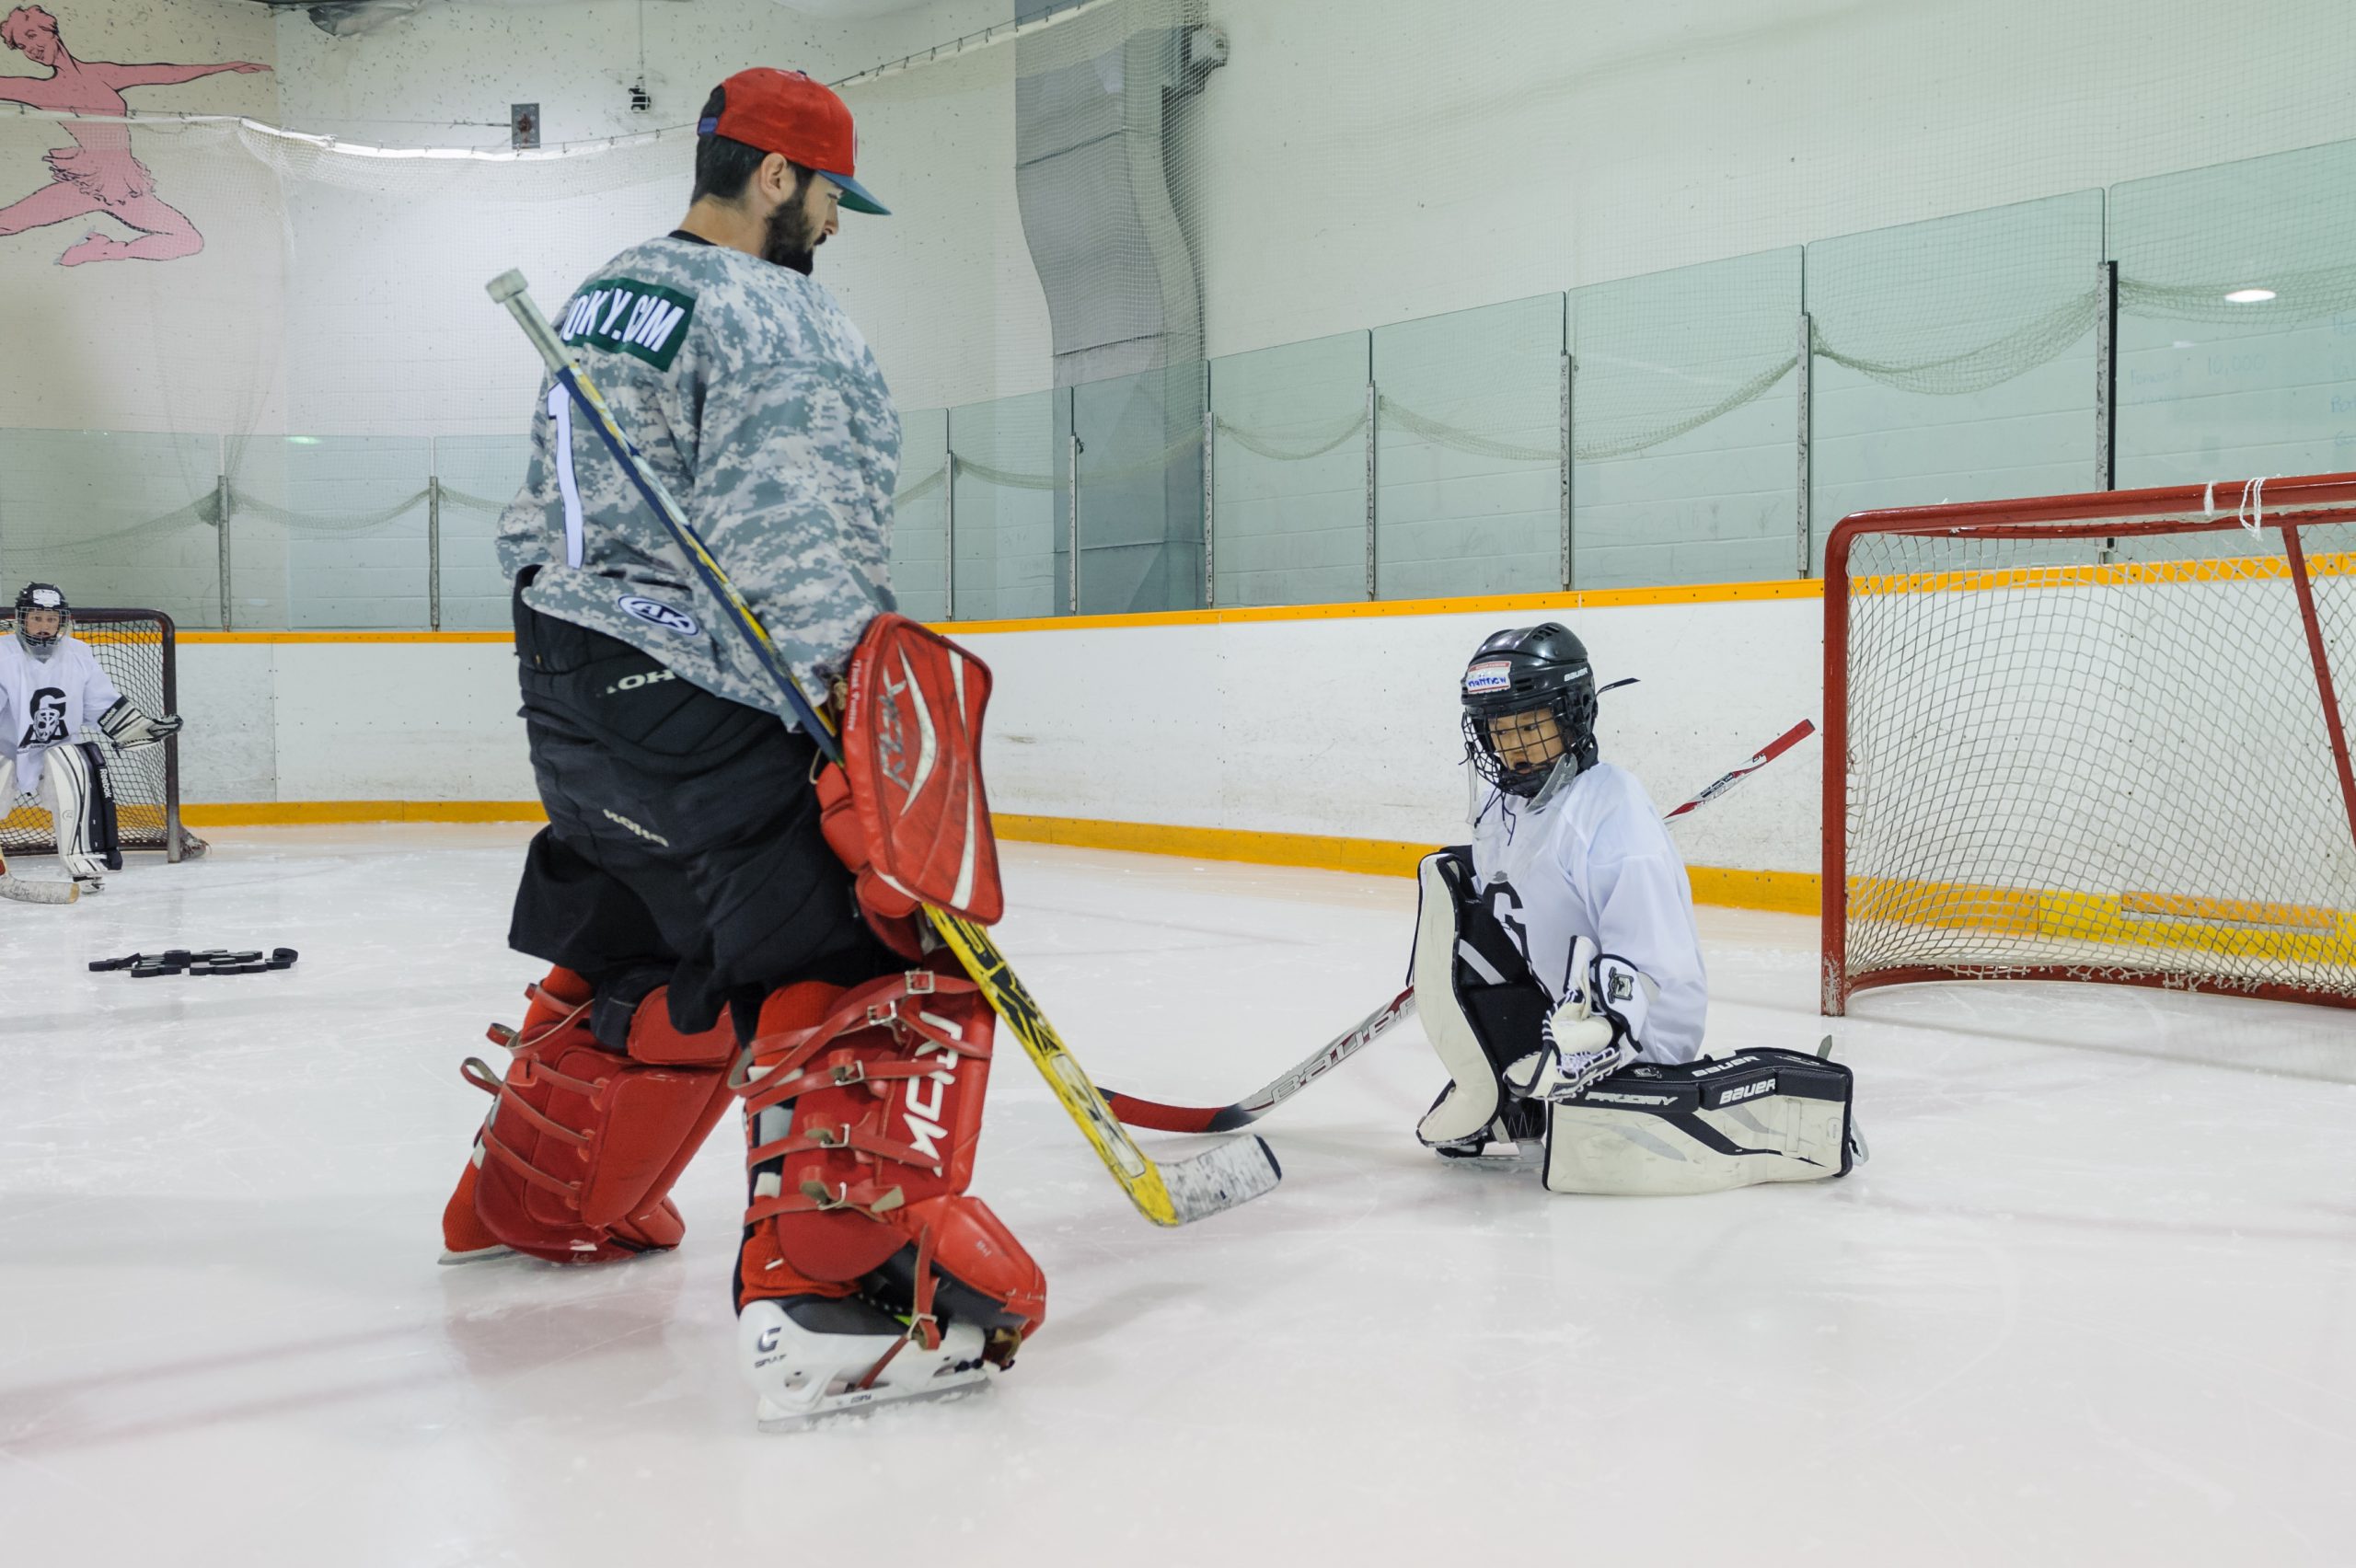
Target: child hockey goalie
{"type": "Point", "coordinates": [1559, 974]}
{"type": "Point", "coordinates": [53, 690]}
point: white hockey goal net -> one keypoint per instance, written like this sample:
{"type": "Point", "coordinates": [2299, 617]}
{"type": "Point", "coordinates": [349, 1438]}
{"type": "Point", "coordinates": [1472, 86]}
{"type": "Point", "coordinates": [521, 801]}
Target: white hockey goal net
{"type": "Point", "coordinates": [2099, 737]}
{"type": "Point", "coordinates": [139, 651]}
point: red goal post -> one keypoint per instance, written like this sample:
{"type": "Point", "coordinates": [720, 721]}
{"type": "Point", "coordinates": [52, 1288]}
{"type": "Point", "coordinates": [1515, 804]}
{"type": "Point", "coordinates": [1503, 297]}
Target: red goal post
{"type": "Point", "coordinates": [2097, 737]}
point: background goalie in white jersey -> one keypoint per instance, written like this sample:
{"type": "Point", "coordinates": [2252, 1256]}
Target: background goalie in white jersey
{"type": "Point", "coordinates": [1558, 972]}
{"type": "Point", "coordinates": [53, 694]}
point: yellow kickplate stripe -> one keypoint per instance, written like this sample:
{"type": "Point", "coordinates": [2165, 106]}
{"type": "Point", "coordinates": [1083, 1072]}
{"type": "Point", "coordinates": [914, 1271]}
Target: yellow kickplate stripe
{"type": "Point", "coordinates": [283, 813]}
{"type": "Point", "coordinates": [1348, 609]}
{"type": "Point", "coordinates": [2231, 911]}
{"type": "Point", "coordinates": [2243, 928]}
{"type": "Point", "coordinates": [1358, 609]}
{"type": "Point", "coordinates": [2228, 569]}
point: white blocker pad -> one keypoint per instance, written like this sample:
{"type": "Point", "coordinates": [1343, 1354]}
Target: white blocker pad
{"type": "Point", "coordinates": [1703, 1127]}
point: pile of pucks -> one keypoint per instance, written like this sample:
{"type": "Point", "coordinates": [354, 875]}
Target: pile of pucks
{"type": "Point", "coordinates": [212, 960]}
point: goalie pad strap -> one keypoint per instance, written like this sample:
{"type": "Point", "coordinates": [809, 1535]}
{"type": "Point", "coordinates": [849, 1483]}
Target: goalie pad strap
{"type": "Point", "coordinates": [1763, 1115]}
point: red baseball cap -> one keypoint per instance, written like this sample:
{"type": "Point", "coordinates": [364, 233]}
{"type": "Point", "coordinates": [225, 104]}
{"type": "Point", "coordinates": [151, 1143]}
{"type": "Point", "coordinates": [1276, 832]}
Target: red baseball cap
{"type": "Point", "coordinates": [787, 113]}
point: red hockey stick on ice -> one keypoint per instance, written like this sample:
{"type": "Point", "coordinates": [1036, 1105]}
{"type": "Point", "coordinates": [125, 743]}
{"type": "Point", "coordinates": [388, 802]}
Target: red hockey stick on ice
{"type": "Point", "coordinates": [1341, 1048]}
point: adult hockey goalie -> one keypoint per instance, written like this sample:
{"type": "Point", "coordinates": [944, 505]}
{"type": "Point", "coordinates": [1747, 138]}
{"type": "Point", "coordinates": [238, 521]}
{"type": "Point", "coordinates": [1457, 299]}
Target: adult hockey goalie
{"type": "Point", "coordinates": [704, 889]}
{"type": "Point", "coordinates": [1559, 974]}
{"type": "Point", "coordinates": [53, 694]}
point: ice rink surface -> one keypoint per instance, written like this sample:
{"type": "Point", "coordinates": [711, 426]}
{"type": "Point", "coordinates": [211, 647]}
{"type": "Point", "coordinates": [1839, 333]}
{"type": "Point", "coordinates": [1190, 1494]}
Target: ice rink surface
{"type": "Point", "coordinates": [2093, 1302]}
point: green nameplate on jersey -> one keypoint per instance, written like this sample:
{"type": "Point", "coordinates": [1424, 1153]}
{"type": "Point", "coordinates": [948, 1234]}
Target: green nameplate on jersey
{"type": "Point", "coordinates": [624, 316]}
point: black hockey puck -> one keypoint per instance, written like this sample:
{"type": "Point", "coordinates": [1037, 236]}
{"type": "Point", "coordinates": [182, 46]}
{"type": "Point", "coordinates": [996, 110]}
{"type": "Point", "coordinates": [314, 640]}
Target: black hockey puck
{"type": "Point", "coordinates": [280, 958]}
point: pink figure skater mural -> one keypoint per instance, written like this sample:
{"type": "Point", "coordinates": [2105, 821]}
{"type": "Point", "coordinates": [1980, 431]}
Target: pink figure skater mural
{"type": "Point", "coordinates": [97, 175]}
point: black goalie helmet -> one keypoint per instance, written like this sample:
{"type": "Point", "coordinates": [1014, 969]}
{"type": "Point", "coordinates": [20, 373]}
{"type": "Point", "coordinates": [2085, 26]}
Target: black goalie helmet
{"type": "Point", "coordinates": [1515, 681]}
{"type": "Point", "coordinates": [42, 596]}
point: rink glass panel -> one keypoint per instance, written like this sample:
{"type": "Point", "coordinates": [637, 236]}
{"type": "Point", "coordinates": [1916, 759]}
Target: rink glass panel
{"type": "Point", "coordinates": [1955, 360]}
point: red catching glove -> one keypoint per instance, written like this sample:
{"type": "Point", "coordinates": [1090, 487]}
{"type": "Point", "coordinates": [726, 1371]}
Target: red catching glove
{"type": "Point", "coordinates": [890, 913]}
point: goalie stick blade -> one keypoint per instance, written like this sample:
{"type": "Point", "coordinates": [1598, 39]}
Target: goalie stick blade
{"type": "Point", "coordinates": [25, 891]}
{"type": "Point", "coordinates": [1221, 1179]}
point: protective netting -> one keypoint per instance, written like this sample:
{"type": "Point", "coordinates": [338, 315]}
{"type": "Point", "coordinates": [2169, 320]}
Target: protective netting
{"type": "Point", "coordinates": [2078, 756]}
{"type": "Point", "coordinates": [137, 650]}
{"type": "Point", "coordinates": [1089, 202]}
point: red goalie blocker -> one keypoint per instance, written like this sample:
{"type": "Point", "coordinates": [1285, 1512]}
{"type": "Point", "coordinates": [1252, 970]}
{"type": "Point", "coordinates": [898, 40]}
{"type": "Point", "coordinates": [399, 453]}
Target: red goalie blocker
{"type": "Point", "coordinates": [906, 811]}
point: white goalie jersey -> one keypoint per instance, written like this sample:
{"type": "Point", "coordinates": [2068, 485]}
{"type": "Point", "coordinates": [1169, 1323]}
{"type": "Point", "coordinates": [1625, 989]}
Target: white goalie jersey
{"type": "Point", "coordinates": [48, 702]}
{"type": "Point", "coordinates": [1595, 861]}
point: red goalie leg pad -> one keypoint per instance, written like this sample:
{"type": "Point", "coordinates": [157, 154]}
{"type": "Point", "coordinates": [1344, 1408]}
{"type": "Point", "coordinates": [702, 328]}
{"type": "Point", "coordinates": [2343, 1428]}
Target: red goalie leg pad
{"type": "Point", "coordinates": [862, 1110]}
{"type": "Point", "coordinates": [576, 1160]}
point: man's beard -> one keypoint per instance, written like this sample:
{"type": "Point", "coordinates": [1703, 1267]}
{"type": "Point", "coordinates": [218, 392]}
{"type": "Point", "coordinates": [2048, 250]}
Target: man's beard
{"type": "Point", "coordinates": [791, 240]}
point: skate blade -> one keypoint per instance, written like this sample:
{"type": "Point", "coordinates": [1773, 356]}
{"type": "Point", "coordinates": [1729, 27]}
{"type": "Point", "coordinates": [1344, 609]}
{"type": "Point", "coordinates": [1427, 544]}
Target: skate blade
{"type": "Point", "coordinates": [480, 1255]}
{"type": "Point", "coordinates": [772, 1417]}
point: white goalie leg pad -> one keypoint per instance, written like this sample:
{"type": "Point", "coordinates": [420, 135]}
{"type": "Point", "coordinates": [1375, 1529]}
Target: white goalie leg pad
{"type": "Point", "coordinates": [805, 1366]}
{"type": "Point", "coordinates": [66, 789]}
{"type": "Point", "coordinates": [1703, 1127]}
{"type": "Point", "coordinates": [1468, 1105]}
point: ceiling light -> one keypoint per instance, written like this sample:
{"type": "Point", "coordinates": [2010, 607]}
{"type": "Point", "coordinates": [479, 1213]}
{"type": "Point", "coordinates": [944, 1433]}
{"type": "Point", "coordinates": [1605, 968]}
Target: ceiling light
{"type": "Point", "coordinates": [2250, 296]}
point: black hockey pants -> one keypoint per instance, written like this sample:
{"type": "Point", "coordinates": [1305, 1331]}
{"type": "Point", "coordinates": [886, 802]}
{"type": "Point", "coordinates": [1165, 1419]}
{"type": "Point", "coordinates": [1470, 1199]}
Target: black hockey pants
{"type": "Point", "coordinates": [682, 837]}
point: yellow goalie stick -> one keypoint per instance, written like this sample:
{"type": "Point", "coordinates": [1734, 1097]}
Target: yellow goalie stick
{"type": "Point", "coordinates": [1175, 1193]}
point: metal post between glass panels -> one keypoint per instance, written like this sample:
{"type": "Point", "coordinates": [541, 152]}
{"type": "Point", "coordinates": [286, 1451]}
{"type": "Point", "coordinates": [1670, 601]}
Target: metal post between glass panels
{"type": "Point", "coordinates": [1074, 527]}
{"type": "Point", "coordinates": [1805, 366]}
{"type": "Point", "coordinates": [949, 533]}
{"type": "Point", "coordinates": [2106, 378]}
{"type": "Point", "coordinates": [221, 515]}
{"type": "Point", "coordinates": [1373, 407]}
{"type": "Point", "coordinates": [1210, 505]}
{"type": "Point", "coordinates": [1569, 371]}
{"type": "Point", "coordinates": [433, 538]}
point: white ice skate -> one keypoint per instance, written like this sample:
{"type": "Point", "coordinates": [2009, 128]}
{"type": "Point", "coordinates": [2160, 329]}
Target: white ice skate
{"type": "Point", "coordinates": [809, 1358]}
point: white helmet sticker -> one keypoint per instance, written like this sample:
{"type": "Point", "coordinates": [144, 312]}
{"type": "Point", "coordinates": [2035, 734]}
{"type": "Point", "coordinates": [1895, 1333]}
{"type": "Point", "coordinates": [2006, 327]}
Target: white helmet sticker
{"type": "Point", "coordinates": [1495, 674]}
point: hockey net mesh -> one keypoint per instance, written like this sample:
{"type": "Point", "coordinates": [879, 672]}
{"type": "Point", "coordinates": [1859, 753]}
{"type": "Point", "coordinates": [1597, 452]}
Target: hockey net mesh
{"type": "Point", "coordinates": [2083, 756]}
{"type": "Point", "coordinates": [136, 649]}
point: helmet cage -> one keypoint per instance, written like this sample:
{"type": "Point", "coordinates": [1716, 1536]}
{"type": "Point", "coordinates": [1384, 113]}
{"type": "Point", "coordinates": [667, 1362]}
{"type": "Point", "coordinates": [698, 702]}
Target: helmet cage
{"type": "Point", "coordinates": [42, 596]}
{"type": "Point", "coordinates": [1573, 707]}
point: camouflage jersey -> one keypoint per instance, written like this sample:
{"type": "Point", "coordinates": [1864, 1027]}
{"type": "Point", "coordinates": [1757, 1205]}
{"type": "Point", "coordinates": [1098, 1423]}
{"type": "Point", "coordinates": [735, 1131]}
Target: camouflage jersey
{"type": "Point", "coordinates": [760, 408]}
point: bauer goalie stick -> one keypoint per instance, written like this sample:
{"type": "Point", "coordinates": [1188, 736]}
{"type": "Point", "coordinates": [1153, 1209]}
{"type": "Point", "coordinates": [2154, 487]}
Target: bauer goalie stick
{"type": "Point", "coordinates": [1350, 1042]}
{"type": "Point", "coordinates": [1175, 1194]}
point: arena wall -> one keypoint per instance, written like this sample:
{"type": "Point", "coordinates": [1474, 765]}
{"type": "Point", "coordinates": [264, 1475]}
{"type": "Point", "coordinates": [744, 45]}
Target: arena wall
{"type": "Point", "coordinates": [1324, 735]}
